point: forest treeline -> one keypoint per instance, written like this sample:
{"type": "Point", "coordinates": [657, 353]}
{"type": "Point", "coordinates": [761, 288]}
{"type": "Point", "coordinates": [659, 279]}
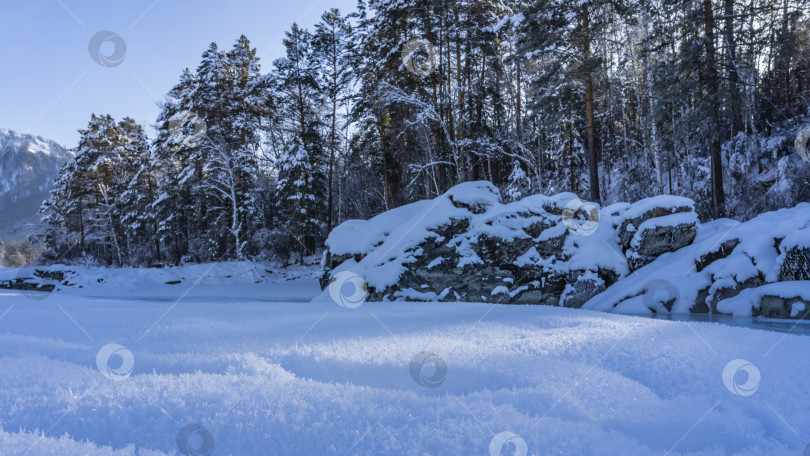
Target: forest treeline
{"type": "Point", "coordinates": [401, 99]}
{"type": "Point", "coordinates": [17, 254]}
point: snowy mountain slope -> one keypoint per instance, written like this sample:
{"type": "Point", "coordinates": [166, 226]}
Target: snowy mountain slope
{"type": "Point", "coordinates": [28, 165]}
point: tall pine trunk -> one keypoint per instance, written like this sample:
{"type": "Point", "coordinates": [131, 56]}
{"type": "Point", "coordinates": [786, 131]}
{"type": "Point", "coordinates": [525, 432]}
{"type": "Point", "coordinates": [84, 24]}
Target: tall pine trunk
{"type": "Point", "coordinates": [593, 164]}
{"type": "Point", "coordinates": [713, 85]}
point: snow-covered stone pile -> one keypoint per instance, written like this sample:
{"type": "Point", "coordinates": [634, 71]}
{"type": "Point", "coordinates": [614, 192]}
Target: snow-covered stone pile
{"type": "Point", "coordinates": [650, 256]}
{"type": "Point", "coordinates": [760, 267]}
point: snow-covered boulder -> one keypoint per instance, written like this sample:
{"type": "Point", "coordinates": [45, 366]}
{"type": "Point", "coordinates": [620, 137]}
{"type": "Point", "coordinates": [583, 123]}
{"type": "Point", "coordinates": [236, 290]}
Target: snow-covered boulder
{"type": "Point", "coordinates": [32, 279]}
{"type": "Point", "coordinates": [466, 245]}
{"type": "Point", "coordinates": [774, 300]}
{"type": "Point", "coordinates": [654, 226]}
{"type": "Point", "coordinates": [652, 256]}
{"type": "Point", "coordinates": [795, 258]}
{"type": "Point", "coordinates": [718, 270]}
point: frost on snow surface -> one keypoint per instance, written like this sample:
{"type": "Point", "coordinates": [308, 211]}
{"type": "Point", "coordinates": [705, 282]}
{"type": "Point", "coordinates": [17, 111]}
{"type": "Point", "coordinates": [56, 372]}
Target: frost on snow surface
{"type": "Point", "coordinates": [247, 357]}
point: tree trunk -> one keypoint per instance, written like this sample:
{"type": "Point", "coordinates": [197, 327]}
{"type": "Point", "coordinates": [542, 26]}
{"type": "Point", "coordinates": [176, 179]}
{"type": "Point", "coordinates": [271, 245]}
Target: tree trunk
{"type": "Point", "coordinates": [388, 197]}
{"type": "Point", "coordinates": [593, 164]}
{"type": "Point", "coordinates": [713, 84]}
{"type": "Point", "coordinates": [733, 75]}
{"type": "Point", "coordinates": [331, 165]}
{"type": "Point", "coordinates": [519, 108]}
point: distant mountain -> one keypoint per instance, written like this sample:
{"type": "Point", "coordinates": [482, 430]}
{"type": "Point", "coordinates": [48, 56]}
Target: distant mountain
{"type": "Point", "coordinates": [28, 165]}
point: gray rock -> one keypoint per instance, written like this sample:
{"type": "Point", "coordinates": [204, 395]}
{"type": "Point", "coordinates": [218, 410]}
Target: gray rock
{"type": "Point", "coordinates": [796, 265]}
{"type": "Point", "coordinates": [580, 288]}
{"type": "Point", "coordinates": [779, 307]}
{"type": "Point", "coordinates": [522, 253]}
{"type": "Point", "coordinates": [659, 241]}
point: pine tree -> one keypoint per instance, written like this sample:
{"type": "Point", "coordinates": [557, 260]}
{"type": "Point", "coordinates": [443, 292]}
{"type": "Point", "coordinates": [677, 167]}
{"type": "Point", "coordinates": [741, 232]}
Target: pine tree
{"type": "Point", "coordinates": [13, 257]}
{"type": "Point", "coordinates": [298, 90]}
{"type": "Point", "coordinates": [333, 50]}
{"type": "Point", "coordinates": [86, 201]}
{"type": "Point", "coordinates": [563, 33]}
{"type": "Point", "coordinates": [174, 208]}
{"type": "Point", "coordinates": [300, 188]}
{"type": "Point", "coordinates": [138, 198]}
{"type": "Point", "coordinates": [518, 185]}
{"type": "Point", "coordinates": [208, 134]}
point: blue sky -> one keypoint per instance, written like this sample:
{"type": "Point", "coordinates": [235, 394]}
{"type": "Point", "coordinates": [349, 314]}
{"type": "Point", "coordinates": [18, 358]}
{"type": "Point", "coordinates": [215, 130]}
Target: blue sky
{"type": "Point", "coordinates": [49, 83]}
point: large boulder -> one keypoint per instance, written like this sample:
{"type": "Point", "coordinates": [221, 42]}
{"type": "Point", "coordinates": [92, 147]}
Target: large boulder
{"type": "Point", "coordinates": [776, 300]}
{"type": "Point", "coordinates": [651, 256]}
{"type": "Point", "coordinates": [654, 226]}
{"type": "Point", "coordinates": [466, 245]}
{"type": "Point", "coordinates": [726, 259]}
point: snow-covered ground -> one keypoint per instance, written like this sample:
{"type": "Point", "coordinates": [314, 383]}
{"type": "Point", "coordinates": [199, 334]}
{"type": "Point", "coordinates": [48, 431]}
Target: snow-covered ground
{"type": "Point", "coordinates": [259, 369]}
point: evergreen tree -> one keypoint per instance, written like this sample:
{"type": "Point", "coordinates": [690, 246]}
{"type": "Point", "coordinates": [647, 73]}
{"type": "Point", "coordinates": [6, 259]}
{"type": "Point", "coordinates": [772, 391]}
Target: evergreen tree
{"type": "Point", "coordinates": [300, 189]}
{"type": "Point", "coordinates": [403, 99]}
{"type": "Point", "coordinates": [333, 50]}
{"type": "Point", "coordinates": [174, 208]}
{"type": "Point", "coordinates": [13, 257]}
{"type": "Point", "coordinates": [86, 201]}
